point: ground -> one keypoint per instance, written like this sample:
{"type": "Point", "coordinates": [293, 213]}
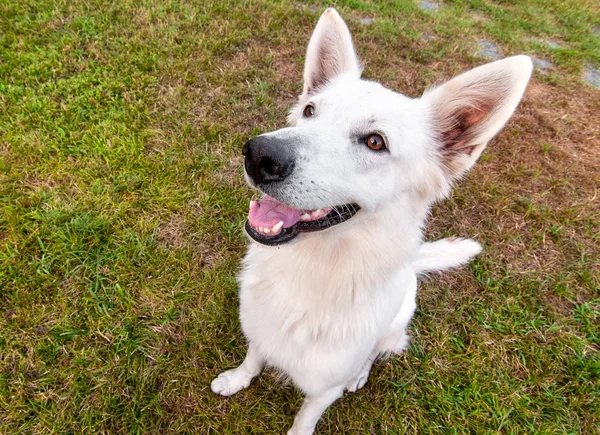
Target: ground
{"type": "Point", "coordinates": [122, 207]}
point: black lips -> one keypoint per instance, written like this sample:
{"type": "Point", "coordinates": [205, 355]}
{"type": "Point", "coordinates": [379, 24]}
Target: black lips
{"type": "Point", "coordinates": [337, 215]}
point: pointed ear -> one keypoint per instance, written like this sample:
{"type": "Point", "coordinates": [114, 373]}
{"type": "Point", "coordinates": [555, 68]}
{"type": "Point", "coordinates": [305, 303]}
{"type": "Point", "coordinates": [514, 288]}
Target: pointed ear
{"type": "Point", "coordinates": [470, 109]}
{"type": "Point", "coordinates": [330, 52]}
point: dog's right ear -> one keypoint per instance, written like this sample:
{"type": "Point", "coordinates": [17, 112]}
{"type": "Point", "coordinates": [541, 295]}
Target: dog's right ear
{"type": "Point", "coordinates": [330, 52]}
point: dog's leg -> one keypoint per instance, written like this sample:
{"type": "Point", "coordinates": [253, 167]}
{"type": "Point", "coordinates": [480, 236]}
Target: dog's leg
{"type": "Point", "coordinates": [313, 407]}
{"type": "Point", "coordinates": [396, 338]}
{"type": "Point", "coordinates": [359, 381]}
{"type": "Point", "coordinates": [232, 381]}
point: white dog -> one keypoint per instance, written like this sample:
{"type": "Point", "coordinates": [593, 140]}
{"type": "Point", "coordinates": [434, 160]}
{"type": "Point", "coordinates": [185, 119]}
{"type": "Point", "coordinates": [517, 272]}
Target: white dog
{"type": "Point", "coordinates": [330, 277]}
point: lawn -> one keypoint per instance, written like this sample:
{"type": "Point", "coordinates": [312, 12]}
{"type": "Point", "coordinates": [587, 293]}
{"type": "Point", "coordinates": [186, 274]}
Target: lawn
{"type": "Point", "coordinates": [122, 203]}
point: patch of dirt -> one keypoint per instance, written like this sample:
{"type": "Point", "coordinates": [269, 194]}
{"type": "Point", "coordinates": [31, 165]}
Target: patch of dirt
{"type": "Point", "coordinates": [69, 287]}
{"type": "Point", "coordinates": [288, 64]}
{"type": "Point", "coordinates": [394, 72]}
{"type": "Point", "coordinates": [539, 176]}
{"type": "Point", "coordinates": [479, 17]}
{"type": "Point", "coordinates": [172, 234]}
{"type": "Point", "coordinates": [175, 234]}
{"type": "Point", "coordinates": [40, 184]}
{"type": "Point", "coordinates": [569, 121]}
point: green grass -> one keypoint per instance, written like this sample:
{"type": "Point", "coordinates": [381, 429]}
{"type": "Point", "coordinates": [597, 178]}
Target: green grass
{"type": "Point", "coordinates": [122, 203]}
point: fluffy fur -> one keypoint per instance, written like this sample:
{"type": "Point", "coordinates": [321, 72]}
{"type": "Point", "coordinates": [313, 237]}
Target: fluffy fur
{"type": "Point", "coordinates": [323, 307]}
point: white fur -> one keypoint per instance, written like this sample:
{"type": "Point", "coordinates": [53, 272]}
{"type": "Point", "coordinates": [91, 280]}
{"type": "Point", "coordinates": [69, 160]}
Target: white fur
{"type": "Point", "coordinates": [323, 307]}
{"type": "Point", "coordinates": [444, 254]}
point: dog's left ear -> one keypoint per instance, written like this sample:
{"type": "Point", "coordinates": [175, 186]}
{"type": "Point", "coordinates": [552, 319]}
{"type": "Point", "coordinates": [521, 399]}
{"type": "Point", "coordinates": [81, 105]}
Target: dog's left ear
{"type": "Point", "coordinates": [470, 109]}
{"type": "Point", "coordinates": [330, 52]}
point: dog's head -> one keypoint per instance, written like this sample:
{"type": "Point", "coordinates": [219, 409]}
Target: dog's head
{"type": "Point", "coordinates": [353, 145]}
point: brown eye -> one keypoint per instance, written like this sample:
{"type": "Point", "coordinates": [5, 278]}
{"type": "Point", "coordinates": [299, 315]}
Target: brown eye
{"type": "Point", "coordinates": [375, 142]}
{"type": "Point", "coordinates": [309, 111]}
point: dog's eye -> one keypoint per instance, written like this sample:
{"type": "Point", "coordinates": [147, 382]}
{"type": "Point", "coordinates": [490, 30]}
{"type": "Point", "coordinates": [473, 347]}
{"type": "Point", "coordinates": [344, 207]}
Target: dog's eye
{"type": "Point", "coordinates": [375, 142]}
{"type": "Point", "coordinates": [309, 111]}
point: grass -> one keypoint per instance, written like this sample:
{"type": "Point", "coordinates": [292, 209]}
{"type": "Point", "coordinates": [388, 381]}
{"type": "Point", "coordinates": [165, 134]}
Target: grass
{"type": "Point", "coordinates": [122, 205]}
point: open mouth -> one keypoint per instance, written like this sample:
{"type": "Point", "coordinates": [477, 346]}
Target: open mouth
{"type": "Point", "coordinates": [271, 222]}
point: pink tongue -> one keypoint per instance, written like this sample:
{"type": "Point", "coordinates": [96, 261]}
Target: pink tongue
{"type": "Point", "coordinates": [269, 212]}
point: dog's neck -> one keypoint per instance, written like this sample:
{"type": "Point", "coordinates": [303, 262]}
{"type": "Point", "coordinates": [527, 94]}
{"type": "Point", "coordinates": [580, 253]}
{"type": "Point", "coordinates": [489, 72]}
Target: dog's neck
{"type": "Point", "coordinates": [371, 245]}
{"type": "Point", "coordinates": [392, 233]}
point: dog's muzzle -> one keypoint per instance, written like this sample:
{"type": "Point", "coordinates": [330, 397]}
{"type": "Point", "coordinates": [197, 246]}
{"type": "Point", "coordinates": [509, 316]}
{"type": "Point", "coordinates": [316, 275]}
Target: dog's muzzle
{"type": "Point", "coordinates": [270, 159]}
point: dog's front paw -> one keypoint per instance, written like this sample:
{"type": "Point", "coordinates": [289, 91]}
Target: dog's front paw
{"type": "Point", "coordinates": [295, 431]}
{"type": "Point", "coordinates": [357, 382]}
{"type": "Point", "coordinates": [230, 382]}
{"type": "Point", "coordinates": [361, 378]}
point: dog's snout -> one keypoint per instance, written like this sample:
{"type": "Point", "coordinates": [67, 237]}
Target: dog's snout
{"type": "Point", "coordinates": [268, 160]}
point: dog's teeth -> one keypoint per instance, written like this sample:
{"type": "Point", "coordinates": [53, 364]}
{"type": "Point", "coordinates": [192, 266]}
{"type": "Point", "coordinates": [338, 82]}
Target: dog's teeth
{"type": "Point", "coordinates": [317, 212]}
{"type": "Point", "coordinates": [305, 217]}
{"type": "Point", "coordinates": [277, 227]}
{"type": "Point", "coordinates": [261, 229]}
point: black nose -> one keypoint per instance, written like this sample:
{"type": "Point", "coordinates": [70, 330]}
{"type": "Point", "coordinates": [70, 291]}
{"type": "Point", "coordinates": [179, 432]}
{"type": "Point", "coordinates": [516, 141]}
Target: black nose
{"type": "Point", "coordinates": [268, 159]}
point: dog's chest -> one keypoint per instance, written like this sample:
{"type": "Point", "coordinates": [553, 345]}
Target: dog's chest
{"type": "Point", "coordinates": [309, 305]}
